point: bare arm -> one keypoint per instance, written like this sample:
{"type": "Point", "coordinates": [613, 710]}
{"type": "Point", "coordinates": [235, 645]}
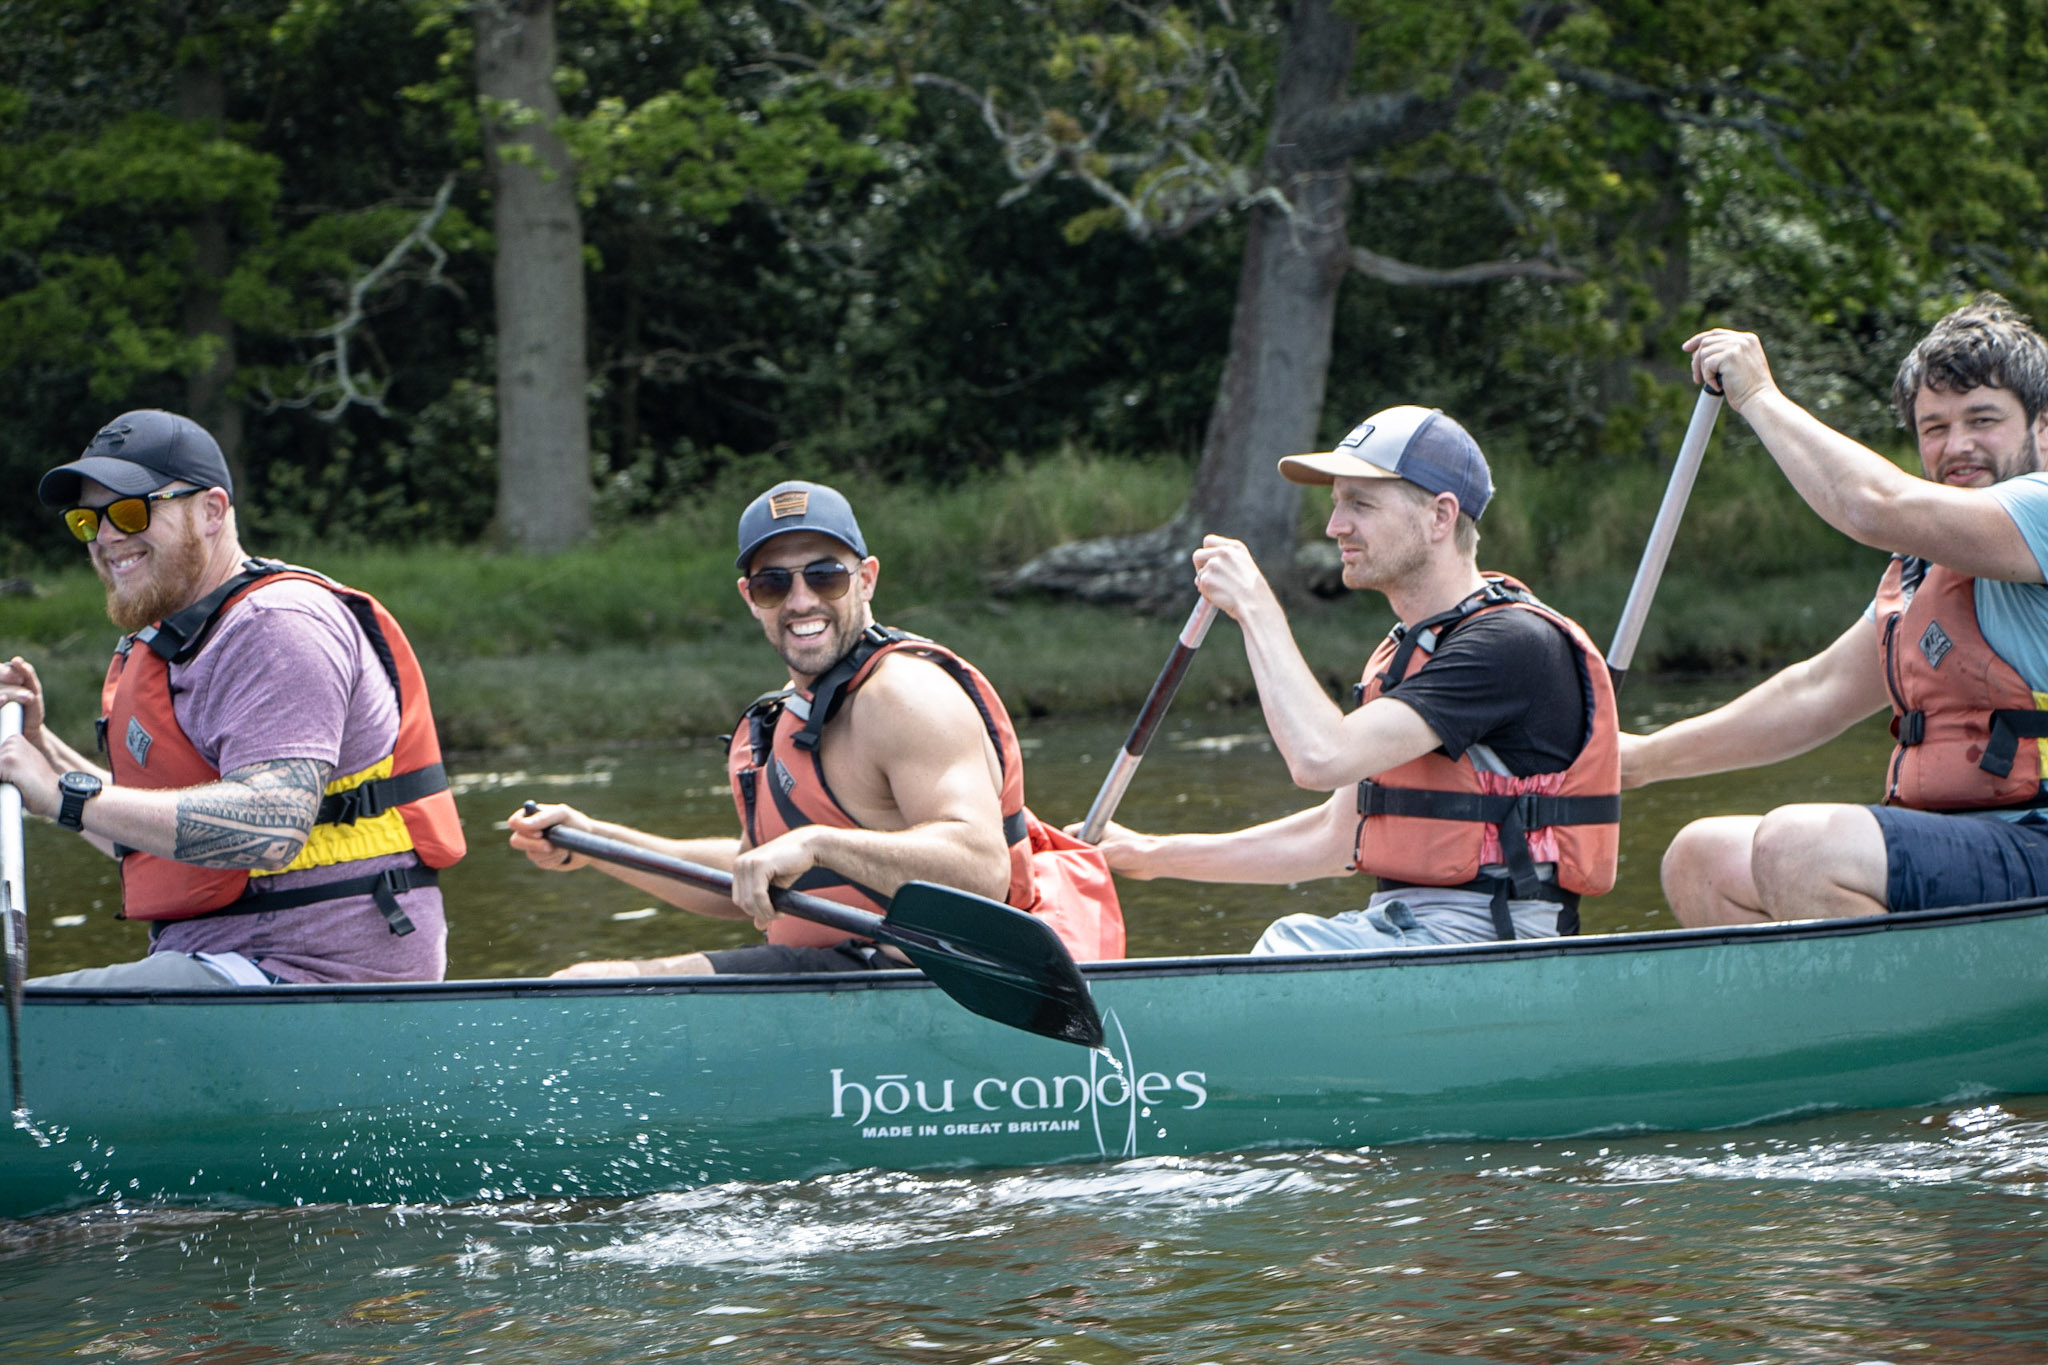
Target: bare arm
{"type": "Point", "coordinates": [912, 762]}
{"type": "Point", "coordinates": [527, 837]}
{"type": "Point", "coordinates": [1323, 747]}
{"type": "Point", "coordinates": [1307, 845]}
{"type": "Point", "coordinates": [1789, 713]}
{"type": "Point", "coordinates": [1853, 488]}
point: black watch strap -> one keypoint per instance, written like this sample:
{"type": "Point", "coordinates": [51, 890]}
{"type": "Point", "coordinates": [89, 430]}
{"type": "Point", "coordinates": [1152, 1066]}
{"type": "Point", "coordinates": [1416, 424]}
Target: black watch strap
{"type": "Point", "coordinates": [76, 789]}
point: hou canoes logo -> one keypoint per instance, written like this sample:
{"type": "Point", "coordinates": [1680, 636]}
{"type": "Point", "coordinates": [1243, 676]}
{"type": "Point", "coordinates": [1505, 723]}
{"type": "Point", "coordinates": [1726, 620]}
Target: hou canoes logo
{"type": "Point", "coordinates": [1111, 1098]}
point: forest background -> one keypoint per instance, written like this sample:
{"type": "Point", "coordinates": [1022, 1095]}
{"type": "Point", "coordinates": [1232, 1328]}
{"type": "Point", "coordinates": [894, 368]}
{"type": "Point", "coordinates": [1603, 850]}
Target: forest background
{"type": "Point", "coordinates": [501, 310]}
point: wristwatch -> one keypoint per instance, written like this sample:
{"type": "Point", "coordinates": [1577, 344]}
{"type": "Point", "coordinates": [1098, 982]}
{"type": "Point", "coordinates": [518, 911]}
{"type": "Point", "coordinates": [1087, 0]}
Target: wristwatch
{"type": "Point", "coordinates": [77, 789]}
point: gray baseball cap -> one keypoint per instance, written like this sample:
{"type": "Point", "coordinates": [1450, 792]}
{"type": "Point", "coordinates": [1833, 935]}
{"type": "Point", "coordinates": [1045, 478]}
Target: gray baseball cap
{"type": "Point", "coordinates": [795, 505]}
{"type": "Point", "coordinates": [140, 452]}
{"type": "Point", "coordinates": [1420, 445]}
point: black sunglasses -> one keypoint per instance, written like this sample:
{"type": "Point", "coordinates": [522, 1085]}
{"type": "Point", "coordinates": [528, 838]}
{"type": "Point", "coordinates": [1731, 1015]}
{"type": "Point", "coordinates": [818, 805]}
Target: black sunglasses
{"type": "Point", "coordinates": [129, 515]}
{"type": "Point", "coordinates": [827, 578]}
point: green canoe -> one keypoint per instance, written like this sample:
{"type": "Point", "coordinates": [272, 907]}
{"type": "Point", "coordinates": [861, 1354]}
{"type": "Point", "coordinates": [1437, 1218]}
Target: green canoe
{"type": "Point", "coordinates": [487, 1090]}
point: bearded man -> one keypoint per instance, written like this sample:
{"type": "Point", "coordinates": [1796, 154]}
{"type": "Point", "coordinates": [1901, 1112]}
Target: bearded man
{"type": "Point", "coordinates": [272, 784]}
{"type": "Point", "coordinates": [1955, 643]}
{"type": "Point", "coordinates": [886, 759]}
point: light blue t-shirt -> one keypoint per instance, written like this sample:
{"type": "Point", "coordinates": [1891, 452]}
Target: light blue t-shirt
{"type": "Point", "coordinates": [2014, 616]}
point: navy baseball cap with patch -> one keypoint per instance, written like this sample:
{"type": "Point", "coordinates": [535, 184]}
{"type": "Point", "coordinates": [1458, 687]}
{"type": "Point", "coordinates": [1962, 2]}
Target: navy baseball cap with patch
{"type": "Point", "coordinates": [794, 505]}
{"type": "Point", "coordinates": [1420, 445]}
{"type": "Point", "coordinates": [140, 452]}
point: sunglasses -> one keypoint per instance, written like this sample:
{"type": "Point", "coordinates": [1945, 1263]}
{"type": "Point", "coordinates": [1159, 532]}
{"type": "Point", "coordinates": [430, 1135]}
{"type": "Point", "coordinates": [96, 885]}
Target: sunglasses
{"type": "Point", "coordinates": [827, 579]}
{"type": "Point", "coordinates": [130, 516]}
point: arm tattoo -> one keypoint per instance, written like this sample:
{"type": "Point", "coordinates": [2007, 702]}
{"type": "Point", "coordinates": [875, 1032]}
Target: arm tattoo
{"type": "Point", "coordinates": [258, 816]}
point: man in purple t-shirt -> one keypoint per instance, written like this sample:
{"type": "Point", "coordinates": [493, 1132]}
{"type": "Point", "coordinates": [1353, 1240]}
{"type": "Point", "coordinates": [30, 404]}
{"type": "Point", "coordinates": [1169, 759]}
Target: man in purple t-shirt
{"type": "Point", "coordinates": [282, 697]}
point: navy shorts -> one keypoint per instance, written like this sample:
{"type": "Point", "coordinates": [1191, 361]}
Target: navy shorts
{"type": "Point", "coordinates": [1934, 861]}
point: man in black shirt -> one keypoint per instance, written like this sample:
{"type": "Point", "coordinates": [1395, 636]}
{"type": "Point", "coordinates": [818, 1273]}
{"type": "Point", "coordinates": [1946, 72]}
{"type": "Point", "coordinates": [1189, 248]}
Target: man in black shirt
{"type": "Point", "coordinates": [1479, 778]}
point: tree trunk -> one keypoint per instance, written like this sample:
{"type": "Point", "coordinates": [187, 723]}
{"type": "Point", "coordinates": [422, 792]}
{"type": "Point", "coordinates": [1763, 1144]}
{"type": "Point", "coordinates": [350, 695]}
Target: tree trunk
{"type": "Point", "coordinates": [1270, 400]}
{"type": "Point", "coordinates": [544, 493]}
{"type": "Point", "coordinates": [202, 99]}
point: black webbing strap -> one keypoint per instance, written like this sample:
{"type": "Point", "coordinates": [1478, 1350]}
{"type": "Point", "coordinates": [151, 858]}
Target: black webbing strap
{"type": "Point", "coordinates": [372, 799]}
{"type": "Point", "coordinates": [383, 887]}
{"type": "Point", "coordinates": [180, 635]}
{"type": "Point", "coordinates": [2008, 728]}
{"type": "Point", "coordinates": [1016, 829]}
{"type": "Point", "coordinates": [1516, 816]}
{"type": "Point", "coordinates": [828, 693]}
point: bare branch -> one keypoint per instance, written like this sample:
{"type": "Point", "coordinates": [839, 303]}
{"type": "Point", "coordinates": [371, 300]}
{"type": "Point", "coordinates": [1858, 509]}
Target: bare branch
{"type": "Point", "coordinates": [1433, 277]}
{"type": "Point", "coordinates": [344, 385]}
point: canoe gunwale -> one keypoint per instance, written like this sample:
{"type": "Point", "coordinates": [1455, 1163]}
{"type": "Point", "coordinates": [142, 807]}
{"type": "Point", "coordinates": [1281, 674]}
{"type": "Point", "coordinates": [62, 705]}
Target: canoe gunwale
{"type": "Point", "coordinates": [1654, 940]}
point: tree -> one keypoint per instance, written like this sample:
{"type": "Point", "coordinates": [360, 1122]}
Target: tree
{"type": "Point", "coordinates": [543, 369]}
{"type": "Point", "coordinates": [1581, 121]}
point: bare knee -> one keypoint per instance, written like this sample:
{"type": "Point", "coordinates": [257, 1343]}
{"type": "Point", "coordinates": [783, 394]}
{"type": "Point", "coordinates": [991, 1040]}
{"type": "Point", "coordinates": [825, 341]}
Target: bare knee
{"type": "Point", "coordinates": [1818, 860]}
{"type": "Point", "coordinates": [1706, 873]}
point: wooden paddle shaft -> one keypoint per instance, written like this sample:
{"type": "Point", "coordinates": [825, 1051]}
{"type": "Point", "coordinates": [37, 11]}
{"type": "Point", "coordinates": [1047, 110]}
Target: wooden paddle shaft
{"type": "Point", "coordinates": [1149, 717]}
{"type": "Point", "coordinates": [1637, 609]}
{"type": "Point", "coordinates": [813, 908]}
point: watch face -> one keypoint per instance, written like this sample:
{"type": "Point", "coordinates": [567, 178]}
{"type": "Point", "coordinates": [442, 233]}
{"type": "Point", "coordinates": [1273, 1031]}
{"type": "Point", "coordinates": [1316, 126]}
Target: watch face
{"type": "Point", "coordinates": [80, 784]}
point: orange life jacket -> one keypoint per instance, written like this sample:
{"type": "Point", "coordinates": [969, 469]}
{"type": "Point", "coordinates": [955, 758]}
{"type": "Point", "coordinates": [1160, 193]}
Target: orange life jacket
{"type": "Point", "coordinates": [1435, 822]}
{"type": "Point", "coordinates": [778, 784]}
{"type": "Point", "coordinates": [400, 804]}
{"type": "Point", "coordinates": [1959, 711]}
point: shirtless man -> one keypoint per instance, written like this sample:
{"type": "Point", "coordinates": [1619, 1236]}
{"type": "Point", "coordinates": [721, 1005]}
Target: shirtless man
{"type": "Point", "coordinates": [874, 767]}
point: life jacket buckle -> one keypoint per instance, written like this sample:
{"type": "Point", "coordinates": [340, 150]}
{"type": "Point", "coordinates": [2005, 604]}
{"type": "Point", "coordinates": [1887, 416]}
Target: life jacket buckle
{"type": "Point", "coordinates": [1910, 728]}
{"type": "Point", "coordinates": [358, 803]}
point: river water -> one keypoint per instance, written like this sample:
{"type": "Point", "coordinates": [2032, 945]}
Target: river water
{"type": "Point", "coordinates": [1887, 1236]}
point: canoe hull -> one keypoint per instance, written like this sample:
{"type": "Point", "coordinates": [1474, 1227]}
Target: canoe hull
{"type": "Point", "coordinates": [504, 1090]}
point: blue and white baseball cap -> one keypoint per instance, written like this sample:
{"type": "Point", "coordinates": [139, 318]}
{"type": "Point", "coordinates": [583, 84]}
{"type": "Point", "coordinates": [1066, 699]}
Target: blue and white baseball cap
{"type": "Point", "coordinates": [798, 505]}
{"type": "Point", "coordinates": [1420, 445]}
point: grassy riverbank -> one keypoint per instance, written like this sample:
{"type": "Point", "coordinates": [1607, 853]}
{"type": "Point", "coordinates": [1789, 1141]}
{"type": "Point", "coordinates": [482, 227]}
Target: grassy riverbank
{"type": "Point", "coordinates": [641, 637]}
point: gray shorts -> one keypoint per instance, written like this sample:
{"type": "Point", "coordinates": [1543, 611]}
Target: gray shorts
{"type": "Point", "coordinates": [1413, 917]}
{"type": "Point", "coordinates": [179, 971]}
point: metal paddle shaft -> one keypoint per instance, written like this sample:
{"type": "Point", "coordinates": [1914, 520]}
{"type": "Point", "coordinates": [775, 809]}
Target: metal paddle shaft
{"type": "Point", "coordinates": [1637, 609]}
{"type": "Point", "coordinates": [994, 960]}
{"type": "Point", "coordinates": [13, 904]}
{"type": "Point", "coordinates": [1147, 724]}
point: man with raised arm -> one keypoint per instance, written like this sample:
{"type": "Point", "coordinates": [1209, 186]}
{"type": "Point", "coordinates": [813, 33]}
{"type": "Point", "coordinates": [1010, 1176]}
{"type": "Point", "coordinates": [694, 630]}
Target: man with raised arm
{"type": "Point", "coordinates": [886, 759]}
{"type": "Point", "coordinates": [272, 782]}
{"type": "Point", "coordinates": [1477, 779]}
{"type": "Point", "coordinates": [1956, 644]}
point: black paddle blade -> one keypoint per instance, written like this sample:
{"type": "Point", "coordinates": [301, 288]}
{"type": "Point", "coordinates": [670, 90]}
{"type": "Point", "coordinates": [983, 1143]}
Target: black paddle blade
{"type": "Point", "coordinates": [999, 962]}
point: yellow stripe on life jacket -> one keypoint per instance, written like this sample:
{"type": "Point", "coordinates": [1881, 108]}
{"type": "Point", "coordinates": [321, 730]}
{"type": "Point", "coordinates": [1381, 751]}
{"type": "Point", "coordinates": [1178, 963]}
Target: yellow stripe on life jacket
{"type": "Point", "coordinates": [373, 837]}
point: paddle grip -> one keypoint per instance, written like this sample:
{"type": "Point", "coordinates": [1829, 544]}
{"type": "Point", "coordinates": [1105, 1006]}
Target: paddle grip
{"type": "Point", "coordinates": [1636, 610]}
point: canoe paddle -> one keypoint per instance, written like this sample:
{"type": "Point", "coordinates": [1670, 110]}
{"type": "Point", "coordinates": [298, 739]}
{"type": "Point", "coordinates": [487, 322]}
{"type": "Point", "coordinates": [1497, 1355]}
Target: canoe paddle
{"type": "Point", "coordinates": [1665, 529]}
{"type": "Point", "coordinates": [1147, 724]}
{"type": "Point", "coordinates": [996, 961]}
{"type": "Point", "coordinates": [13, 904]}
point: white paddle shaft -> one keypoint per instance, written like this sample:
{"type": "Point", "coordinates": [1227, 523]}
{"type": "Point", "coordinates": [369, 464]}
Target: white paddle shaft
{"type": "Point", "coordinates": [1636, 610]}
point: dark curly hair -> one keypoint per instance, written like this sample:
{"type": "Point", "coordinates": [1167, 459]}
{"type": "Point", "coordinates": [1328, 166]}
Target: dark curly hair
{"type": "Point", "coordinates": [1986, 343]}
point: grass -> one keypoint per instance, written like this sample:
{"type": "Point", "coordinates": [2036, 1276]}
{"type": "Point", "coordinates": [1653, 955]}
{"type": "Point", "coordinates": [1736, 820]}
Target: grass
{"type": "Point", "coordinates": [640, 635]}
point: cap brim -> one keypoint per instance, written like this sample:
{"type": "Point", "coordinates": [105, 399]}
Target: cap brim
{"type": "Point", "coordinates": [753, 549]}
{"type": "Point", "coordinates": [59, 487]}
{"type": "Point", "coordinates": [1326, 467]}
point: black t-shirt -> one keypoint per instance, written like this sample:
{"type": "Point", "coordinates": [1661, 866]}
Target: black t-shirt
{"type": "Point", "coordinates": [1508, 680]}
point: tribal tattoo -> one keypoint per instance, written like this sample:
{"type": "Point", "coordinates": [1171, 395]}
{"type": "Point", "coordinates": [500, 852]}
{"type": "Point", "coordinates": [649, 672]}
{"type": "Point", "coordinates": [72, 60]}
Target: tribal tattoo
{"type": "Point", "coordinates": [257, 816]}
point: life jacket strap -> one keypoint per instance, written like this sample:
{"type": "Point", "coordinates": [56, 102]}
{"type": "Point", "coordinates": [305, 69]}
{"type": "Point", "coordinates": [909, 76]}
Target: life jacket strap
{"type": "Point", "coordinates": [383, 887]}
{"type": "Point", "coordinates": [2008, 728]}
{"type": "Point", "coordinates": [371, 799]}
{"type": "Point", "coordinates": [829, 692]}
{"type": "Point", "coordinates": [1516, 815]}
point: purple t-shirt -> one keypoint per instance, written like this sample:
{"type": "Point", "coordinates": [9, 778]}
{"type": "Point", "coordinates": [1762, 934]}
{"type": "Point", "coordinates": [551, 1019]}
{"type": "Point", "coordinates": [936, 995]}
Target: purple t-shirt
{"type": "Point", "coordinates": [289, 674]}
